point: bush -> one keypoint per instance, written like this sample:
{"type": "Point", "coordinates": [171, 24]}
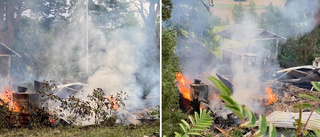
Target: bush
{"type": "Point", "coordinates": [171, 114]}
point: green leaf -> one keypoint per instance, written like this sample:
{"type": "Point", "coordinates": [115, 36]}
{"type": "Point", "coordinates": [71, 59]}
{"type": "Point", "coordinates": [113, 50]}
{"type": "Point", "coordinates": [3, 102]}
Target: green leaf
{"type": "Point", "coordinates": [317, 132]}
{"type": "Point", "coordinates": [308, 97]}
{"type": "Point", "coordinates": [317, 111]}
{"type": "Point", "coordinates": [251, 118]}
{"type": "Point", "coordinates": [256, 133]}
{"type": "Point", "coordinates": [196, 116]}
{"type": "Point", "coordinates": [198, 129]}
{"type": "Point", "coordinates": [262, 125]}
{"type": "Point", "coordinates": [183, 128]}
{"type": "Point", "coordinates": [220, 86]}
{"type": "Point", "coordinates": [186, 124]}
{"type": "Point", "coordinates": [306, 105]}
{"type": "Point", "coordinates": [192, 120]}
{"type": "Point", "coordinates": [201, 114]}
{"type": "Point", "coordinates": [235, 110]}
{"type": "Point", "coordinates": [272, 130]}
{"type": "Point", "coordinates": [198, 125]}
{"type": "Point", "coordinates": [228, 100]}
{"type": "Point", "coordinates": [177, 134]}
{"type": "Point", "coordinates": [316, 85]}
{"type": "Point", "coordinates": [194, 133]}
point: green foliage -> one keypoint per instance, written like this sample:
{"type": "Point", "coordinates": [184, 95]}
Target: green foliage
{"type": "Point", "coordinates": [166, 9]}
{"type": "Point", "coordinates": [238, 13]}
{"type": "Point", "coordinates": [316, 85]}
{"type": "Point", "coordinates": [299, 49]}
{"type": "Point", "coordinates": [100, 105]}
{"type": "Point", "coordinates": [317, 132]}
{"type": "Point", "coordinates": [4, 114]}
{"type": "Point", "coordinates": [198, 124]}
{"type": "Point", "coordinates": [171, 113]}
{"type": "Point", "coordinates": [272, 130]}
{"type": "Point", "coordinates": [155, 112]}
{"type": "Point", "coordinates": [308, 97]}
{"type": "Point", "coordinates": [220, 86]}
{"type": "Point", "coordinates": [262, 126]}
{"type": "Point", "coordinates": [252, 10]}
{"type": "Point", "coordinates": [313, 105]}
{"type": "Point", "coordinates": [87, 131]}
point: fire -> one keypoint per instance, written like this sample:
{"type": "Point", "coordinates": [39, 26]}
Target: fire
{"type": "Point", "coordinates": [113, 101]}
{"type": "Point", "coordinates": [216, 96]}
{"type": "Point", "coordinates": [7, 97]}
{"type": "Point", "coordinates": [271, 97]}
{"type": "Point", "coordinates": [183, 85]}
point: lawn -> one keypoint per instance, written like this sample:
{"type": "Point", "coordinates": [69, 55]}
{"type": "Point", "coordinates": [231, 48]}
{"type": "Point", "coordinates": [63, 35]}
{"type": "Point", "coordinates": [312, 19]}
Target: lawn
{"type": "Point", "coordinates": [88, 131]}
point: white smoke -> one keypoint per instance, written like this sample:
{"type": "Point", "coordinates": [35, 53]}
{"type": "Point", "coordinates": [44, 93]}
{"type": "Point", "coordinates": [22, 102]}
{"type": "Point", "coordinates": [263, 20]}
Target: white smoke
{"type": "Point", "coordinates": [120, 59]}
{"type": "Point", "coordinates": [246, 79]}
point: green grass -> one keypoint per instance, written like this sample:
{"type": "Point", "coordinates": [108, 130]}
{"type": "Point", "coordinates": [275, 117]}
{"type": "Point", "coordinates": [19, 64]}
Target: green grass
{"type": "Point", "coordinates": [89, 131]}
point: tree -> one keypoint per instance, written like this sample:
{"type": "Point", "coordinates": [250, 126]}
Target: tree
{"type": "Point", "coordinates": [166, 9]}
{"type": "Point", "coordinates": [238, 13]}
{"type": "Point", "coordinates": [11, 12]}
{"type": "Point", "coordinates": [108, 13]}
{"type": "Point", "coordinates": [252, 11]}
{"type": "Point", "coordinates": [171, 113]}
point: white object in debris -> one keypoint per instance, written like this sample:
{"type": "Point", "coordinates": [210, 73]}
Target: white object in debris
{"type": "Point", "coordinates": [316, 62]}
{"type": "Point", "coordinates": [295, 68]}
{"type": "Point", "coordinates": [286, 119]}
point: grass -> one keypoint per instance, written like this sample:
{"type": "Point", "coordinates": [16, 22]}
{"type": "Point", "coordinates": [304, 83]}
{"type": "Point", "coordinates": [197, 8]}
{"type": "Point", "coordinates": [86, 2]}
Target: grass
{"type": "Point", "coordinates": [88, 131]}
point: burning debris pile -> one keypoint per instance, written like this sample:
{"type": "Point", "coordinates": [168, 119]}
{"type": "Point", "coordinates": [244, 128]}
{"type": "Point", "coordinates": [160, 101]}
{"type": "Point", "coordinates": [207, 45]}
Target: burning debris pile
{"type": "Point", "coordinates": [46, 104]}
{"type": "Point", "coordinates": [22, 109]}
{"type": "Point", "coordinates": [274, 98]}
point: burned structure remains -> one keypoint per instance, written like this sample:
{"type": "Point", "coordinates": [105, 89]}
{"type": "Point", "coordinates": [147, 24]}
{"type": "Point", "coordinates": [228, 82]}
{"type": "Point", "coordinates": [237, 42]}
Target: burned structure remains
{"type": "Point", "coordinates": [238, 45]}
{"type": "Point", "coordinates": [6, 54]}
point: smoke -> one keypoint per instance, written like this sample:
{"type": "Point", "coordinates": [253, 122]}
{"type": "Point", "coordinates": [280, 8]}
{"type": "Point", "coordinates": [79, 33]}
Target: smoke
{"type": "Point", "coordinates": [120, 59]}
{"type": "Point", "coordinates": [197, 61]}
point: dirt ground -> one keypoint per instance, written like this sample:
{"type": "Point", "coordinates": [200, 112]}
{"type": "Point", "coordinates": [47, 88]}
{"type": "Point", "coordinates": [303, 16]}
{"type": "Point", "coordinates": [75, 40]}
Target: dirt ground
{"type": "Point", "coordinates": [223, 8]}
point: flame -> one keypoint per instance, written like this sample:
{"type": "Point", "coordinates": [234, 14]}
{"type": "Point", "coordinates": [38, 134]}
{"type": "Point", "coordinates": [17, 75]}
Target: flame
{"type": "Point", "coordinates": [7, 97]}
{"type": "Point", "coordinates": [113, 101]}
{"type": "Point", "coordinates": [271, 97]}
{"type": "Point", "coordinates": [183, 85]}
{"type": "Point", "coordinates": [216, 96]}
{"type": "Point", "coordinates": [52, 121]}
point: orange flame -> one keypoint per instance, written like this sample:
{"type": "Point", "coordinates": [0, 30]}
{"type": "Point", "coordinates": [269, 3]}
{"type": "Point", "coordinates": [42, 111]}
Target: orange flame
{"type": "Point", "coordinates": [7, 97]}
{"type": "Point", "coordinates": [216, 96]}
{"type": "Point", "coordinates": [183, 85]}
{"type": "Point", "coordinates": [113, 101]}
{"type": "Point", "coordinates": [271, 97]}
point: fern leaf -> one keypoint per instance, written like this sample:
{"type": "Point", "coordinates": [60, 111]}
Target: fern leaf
{"type": "Point", "coordinates": [183, 128]}
{"type": "Point", "coordinates": [177, 134]}
{"type": "Point", "coordinates": [316, 85]}
{"type": "Point", "coordinates": [194, 133]}
{"type": "Point", "coordinates": [192, 120]}
{"type": "Point", "coordinates": [196, 115]}
{"type": "Point", "coordinates": [186, 124]}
